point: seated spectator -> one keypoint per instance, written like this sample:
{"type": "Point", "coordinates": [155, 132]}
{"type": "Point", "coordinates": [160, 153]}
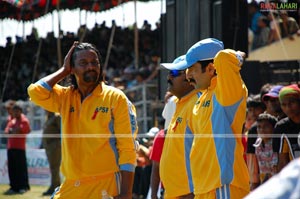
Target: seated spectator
{"type": "Point", "coordinates": [262, 38]}
{"type": "Point", "coordinates": [288, 26]}
{"type": "Point", "coordinates": [119, 83]}
{"type": "Point", "coordinates": [275, 33]}
{"type": "Point", "coordinates": [129, 76]}
{"type": "Point", "coordinates": [141, 75]}
{"type": "Point", "coordinates": [254, 14]}
{"type": "Point", "coordinates": [267, 159]}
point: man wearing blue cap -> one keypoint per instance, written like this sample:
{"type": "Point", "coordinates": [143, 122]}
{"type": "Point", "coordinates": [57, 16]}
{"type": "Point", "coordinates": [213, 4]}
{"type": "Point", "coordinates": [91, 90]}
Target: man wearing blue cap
{"type": "Point", "coordinates": [175, 171]}
{"type": "Point", "coordinates": [217, 164]}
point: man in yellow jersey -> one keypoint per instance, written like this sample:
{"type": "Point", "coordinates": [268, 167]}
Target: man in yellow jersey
{"type": "Point", "coordinates": [175, 172]}
{"type": "Point", "coordinates": [98, 127]}
{"type": "Point", "coordinates": [217, 164]}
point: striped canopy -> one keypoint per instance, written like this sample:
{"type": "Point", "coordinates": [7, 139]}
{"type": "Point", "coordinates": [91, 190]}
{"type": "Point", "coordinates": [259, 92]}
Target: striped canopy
{"type": "Point", "coordinates": [26, 10]}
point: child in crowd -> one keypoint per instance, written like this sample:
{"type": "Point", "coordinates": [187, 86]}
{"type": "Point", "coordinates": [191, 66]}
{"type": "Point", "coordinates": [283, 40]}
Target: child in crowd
{"type": "Point", "coordinates": [267, 159]}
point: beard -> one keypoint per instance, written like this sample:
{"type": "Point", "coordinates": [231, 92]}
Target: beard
{"type": "Point", "coordinates": [90, 76]}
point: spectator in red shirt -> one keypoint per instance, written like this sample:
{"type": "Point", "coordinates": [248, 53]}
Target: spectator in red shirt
{"type": "Point", "coordinates": [8, 106]}
{"type": "Point", "coordinates": [17, 128]}
{"type": "Point", "coordinates": [155, 157]}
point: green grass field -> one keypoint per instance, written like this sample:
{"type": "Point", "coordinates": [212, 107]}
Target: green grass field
{"type": "Point", "coordinates": [34, 193]}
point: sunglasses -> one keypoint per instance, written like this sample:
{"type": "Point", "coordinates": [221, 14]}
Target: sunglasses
{"type": "Point", "coordinates": [176, 73]}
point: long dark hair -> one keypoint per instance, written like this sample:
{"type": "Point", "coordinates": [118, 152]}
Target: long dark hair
{"type": "Point", "coordinates": [80, 47]}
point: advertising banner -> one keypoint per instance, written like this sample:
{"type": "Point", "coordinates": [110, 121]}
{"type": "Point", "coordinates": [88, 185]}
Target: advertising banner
{"type": "Point", "coordinates": [38, 167]}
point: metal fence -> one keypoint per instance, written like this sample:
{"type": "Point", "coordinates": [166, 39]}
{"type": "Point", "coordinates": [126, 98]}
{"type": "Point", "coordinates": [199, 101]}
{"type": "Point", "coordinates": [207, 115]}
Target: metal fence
{"type": "Point", "coordinates": [145, 98]}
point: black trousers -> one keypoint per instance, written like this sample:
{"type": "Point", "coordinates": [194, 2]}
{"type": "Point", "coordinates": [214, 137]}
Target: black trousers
{"type": "Point", "coordinates": [17, 169]}
{"type": "Point", "coordinates": [142, 177]}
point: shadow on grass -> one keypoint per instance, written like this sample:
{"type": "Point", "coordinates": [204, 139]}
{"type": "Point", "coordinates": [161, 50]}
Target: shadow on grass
{"type": "Point", "coordinates": [35, 192]}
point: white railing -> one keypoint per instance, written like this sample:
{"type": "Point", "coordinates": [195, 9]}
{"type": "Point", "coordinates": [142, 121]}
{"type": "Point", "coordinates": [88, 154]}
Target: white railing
{"type": "Point", "coordinates": [143, 96]}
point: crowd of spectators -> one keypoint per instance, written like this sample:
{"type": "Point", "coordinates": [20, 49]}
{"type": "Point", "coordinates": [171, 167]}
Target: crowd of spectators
{"type": "Point", "coordinates": [120, 70]}
{"type": "Point", "coordinates": [272, 131]}
{"type": "Point", "coordinates": [265, 27]}
{"type": "Point", "coordinates": [268, 26]}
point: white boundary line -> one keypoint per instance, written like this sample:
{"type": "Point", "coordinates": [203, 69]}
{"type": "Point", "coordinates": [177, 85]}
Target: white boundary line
{"type": "Point", "coordinates": [91, 135]}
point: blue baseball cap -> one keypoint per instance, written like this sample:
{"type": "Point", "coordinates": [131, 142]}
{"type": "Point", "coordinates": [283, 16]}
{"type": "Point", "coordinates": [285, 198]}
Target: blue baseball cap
{"type": "Point", "coordinates": [273, 93]}
{"type": "Point", "coordinates": [205, 49]}
{"type": "Point", "coordinates": [176, 61]}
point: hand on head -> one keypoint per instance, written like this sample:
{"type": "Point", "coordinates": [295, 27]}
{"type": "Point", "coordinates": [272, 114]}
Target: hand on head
{"type": "Point", "coordinates": [242, 54]}
{"type": "Point", "coordinates": [67, 60]}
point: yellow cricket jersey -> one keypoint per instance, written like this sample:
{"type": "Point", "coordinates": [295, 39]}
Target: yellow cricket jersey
{"type": "Point", "coordinates": [98, 132]}
{"type": "Point", "coordinates": [218, 117]}
{"type": "Point", "coordinates": [175, 172]}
